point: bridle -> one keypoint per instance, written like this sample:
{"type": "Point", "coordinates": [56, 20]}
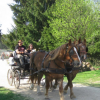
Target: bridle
{"type": "Point", "coordinates": [81, 52]}
{"type": "Point", "coordinates": [58, 70]}
{"type": "Point", "coordinates": [71, 52]}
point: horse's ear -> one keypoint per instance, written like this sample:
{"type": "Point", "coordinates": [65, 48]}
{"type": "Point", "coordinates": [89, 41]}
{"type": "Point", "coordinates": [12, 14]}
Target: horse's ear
{"type": "Point", "coordinates": [79, 41]}
{"type": "Point", "coordinates": [75, 42]}
{"type": "Point", "coordinates": [69, 42]}
{"type": "Point", "coordinates": [85, 41]}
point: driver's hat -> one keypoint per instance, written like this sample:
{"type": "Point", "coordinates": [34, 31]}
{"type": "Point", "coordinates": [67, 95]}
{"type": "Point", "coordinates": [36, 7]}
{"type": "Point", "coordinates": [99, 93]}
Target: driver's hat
{"type": "Point", "coordinates": [20, 41]}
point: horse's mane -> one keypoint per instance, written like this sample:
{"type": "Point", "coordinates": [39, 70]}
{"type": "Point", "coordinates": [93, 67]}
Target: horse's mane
{"type": "Point", "coordinates": [54, 53]}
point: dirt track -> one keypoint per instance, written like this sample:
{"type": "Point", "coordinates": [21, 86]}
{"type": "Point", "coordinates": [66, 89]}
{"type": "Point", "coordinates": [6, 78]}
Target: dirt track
{"type": "Point", "coordinates": [81, 92]}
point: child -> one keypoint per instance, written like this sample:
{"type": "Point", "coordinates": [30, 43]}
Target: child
{"type": "Point", "coordinates": [11, 59]}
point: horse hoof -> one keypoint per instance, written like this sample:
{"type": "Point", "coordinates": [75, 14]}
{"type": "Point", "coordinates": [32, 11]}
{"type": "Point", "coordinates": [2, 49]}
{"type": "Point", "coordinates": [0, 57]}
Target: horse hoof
{"type": "Point", "coordinates": [46, 99]}
{"type": "Point", "coordinates": [73, 97]}
{"type": "Point", "coordinates": [31, 87]}
{"type": "Point", "coordinates": [42, 84]}
{"type": "Point", "coordinates": [54, 86]}
{"type": "Point", "coordinates": [52, 89]}
{"type": "Point", "coordinates": [39, 93]}
{"type": "Point", "coordinates": [64, 92]}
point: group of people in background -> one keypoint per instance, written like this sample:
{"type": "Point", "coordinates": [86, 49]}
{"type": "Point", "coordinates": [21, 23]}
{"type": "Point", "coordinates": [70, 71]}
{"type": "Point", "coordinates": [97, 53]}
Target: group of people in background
{"type": "Point", "coordinates": [3, 56]}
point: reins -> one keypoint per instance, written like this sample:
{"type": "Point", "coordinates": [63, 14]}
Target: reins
{"type": "Point", "coordinates": [60, 70]}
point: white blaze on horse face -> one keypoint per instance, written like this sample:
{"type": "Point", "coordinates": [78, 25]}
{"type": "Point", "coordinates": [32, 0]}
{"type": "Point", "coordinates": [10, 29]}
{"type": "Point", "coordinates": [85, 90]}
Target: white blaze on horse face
{"type": "Point", "coordinates": [84, 56]}
{"type": "Point", "coordinates": [77, 55]}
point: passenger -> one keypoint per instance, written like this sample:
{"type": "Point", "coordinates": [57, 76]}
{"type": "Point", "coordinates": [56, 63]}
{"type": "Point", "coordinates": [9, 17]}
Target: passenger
{"type": "Point", "coordinates": [11, 60]}
{"type": "Point", "coordinates": [20, 50]}
{"type": "Point", "coordinates": [31, 49]}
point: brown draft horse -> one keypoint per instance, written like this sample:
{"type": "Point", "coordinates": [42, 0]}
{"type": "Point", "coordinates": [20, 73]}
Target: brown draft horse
{"type": "Point", "coordinates": [53, 65]}
{"type": "Point", "coordinates": [70, 76]}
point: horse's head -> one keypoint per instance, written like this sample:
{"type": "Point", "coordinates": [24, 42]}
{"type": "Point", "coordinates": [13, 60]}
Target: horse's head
{"type": "Point", "coordinates": [66, 53]}
{"type": "Point", "coordinates": [82, 50]}
{"type": "Point", "coordinates": [71, 54]}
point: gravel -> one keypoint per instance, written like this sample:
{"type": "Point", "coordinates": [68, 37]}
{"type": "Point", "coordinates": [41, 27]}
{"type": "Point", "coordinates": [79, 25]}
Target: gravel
{"type": "Point", "coordinates": [81, 92]}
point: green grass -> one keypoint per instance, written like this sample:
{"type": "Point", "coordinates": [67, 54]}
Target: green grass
{"type": "Point", "coordinates": [96, 66]}
{"type": "Point", "coordinates": [6, 94]}
{"type": "Point", "coordinates": [90, 78]}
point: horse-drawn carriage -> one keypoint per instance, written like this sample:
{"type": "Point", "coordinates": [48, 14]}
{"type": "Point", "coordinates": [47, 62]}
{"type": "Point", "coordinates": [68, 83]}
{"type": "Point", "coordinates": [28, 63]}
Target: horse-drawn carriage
{"type": "Point", "coordinates": [17, 72]}
{"type": "Point", "coordinates": [53, 65]}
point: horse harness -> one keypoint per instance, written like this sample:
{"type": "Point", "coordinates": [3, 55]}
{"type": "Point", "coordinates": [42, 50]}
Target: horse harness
{"type": "Point", "coordinates": [60, 70]}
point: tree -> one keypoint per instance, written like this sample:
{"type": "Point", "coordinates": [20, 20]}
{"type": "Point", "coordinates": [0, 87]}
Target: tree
{"type": "Point", "coordinates": [29, 20]}
{"type": "Point", "coordinates": [2, 46]}
{"type": "Point", "coordinates": [70, 19]}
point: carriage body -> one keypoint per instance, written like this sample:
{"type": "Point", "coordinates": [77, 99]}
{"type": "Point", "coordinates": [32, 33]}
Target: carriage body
{"type": "Point", "coordinates": [16, 73]}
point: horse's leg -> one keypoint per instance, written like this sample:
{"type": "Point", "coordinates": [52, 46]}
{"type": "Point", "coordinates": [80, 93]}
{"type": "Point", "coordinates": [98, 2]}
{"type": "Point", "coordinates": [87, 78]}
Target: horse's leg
{"type": "Point", "coordinates": [47, 87]}
{"type": "Point", "coordinates": [31, 86]}
{"type": "Point", "coordinates": [71, 86]}
{"type": "Point", "coordinates": [60, 82]}
{"type": "Point", "coordinates": [32, 79]}
{"type": "Point", "coordinates": [55, 85]}
{"type": "Point", "coordinates": [40, 75]}
{"type": "Point", "coordinates": [70, 78]}
{"type": "Point", "coordinates": [51, 86]}
{"type": "Point", "coordinates": [66, 87]}
{"type": "Point", "coordinates": [71, 91]}
{"type": "Point", "coordinates": [35, 80]}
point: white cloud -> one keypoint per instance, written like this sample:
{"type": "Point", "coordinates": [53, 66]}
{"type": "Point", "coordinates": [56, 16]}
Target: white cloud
{"type": "Point", "coordinates": [6, 16]}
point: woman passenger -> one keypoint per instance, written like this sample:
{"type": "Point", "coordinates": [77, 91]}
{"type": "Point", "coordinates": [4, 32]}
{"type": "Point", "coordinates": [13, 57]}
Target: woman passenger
{"type": "Point", "coordinates": [31, 49]}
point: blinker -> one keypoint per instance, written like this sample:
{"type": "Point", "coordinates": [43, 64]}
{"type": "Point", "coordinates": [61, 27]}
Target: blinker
{"type": "Point", "coordinates": [66, 48]}
{"type": "Point", "coordinates": [71, 52]}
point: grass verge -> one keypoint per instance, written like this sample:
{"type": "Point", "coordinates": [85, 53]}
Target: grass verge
{"type": "Point", "coordinates": [6, 94]}
{"type": "Point", "coordinates": [90, 78]}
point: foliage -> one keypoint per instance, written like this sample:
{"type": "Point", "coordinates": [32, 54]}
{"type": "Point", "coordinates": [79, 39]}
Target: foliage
{"type": "Point", "coordinates": [47, 41]}
{"type": "Point", "coordinates": [70, 19]}
{"type": "Point", "coordinates": [2, 46]}
{"type": "Point", "coordinates": [94, 48]}
{"type": "Point", "coordinates": [50, 23]}
{"type": "Point", "coordinates": [29, 20]}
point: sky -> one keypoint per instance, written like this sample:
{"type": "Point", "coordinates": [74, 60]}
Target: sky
{"type": "Point", "coordinates": [6, 16]}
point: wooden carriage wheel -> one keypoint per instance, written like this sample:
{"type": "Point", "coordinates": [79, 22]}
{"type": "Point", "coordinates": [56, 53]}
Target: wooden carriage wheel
{"type": "Point", "coordinates": [10, 77]}
{"type": "Point", "coordinates": [17, 79]}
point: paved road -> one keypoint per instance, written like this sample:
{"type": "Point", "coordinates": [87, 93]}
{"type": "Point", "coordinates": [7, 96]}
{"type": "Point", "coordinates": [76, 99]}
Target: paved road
{"type": "Point", "coordinates": [81, 92]}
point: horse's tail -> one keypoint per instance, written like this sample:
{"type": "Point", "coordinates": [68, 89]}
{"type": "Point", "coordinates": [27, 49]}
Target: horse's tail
{"type": "Point", "coordinates": [32, 56]}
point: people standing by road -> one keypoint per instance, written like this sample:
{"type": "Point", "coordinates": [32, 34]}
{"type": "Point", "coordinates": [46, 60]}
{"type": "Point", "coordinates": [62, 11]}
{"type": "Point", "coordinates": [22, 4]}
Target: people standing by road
{"type": "Point", "coordinates": [3, 56]}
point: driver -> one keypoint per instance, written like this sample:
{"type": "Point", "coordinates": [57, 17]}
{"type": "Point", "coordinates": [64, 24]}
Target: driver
{"type": "Point", "coordinates": [20, 50]}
